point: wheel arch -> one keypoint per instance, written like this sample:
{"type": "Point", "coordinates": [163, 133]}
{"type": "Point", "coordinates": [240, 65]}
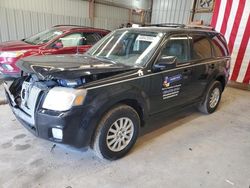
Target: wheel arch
{"type": "Point", "coordinates": [137, 107]}
{"type": "Point", "coordinates": [132, 102]}
{"type": "Point", "coordinates": [222, 80]}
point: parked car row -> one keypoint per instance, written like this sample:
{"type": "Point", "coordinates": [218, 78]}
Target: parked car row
{"type": "Point", "coordinates": [103, 97]}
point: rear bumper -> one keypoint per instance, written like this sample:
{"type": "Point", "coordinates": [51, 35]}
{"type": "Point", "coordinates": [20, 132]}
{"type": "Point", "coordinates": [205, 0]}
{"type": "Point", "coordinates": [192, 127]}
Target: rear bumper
{"type": "Point", "coordinates": [77, 128]}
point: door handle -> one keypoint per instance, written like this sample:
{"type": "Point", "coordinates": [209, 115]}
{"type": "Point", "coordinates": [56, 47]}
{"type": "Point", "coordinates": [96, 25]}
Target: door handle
{"type": "Point", "coordinates": [187, 72]}
{"type": "Point", "coordinates": [47, 53]}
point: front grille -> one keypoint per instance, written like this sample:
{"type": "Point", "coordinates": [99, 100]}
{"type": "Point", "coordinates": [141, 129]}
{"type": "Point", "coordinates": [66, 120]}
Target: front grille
{"type": "Point", "coordinates": [29, 98]}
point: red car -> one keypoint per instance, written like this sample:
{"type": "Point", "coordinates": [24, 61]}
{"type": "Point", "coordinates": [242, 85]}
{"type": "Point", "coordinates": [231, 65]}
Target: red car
{"type": "Point", "coordinates": [60, 39]}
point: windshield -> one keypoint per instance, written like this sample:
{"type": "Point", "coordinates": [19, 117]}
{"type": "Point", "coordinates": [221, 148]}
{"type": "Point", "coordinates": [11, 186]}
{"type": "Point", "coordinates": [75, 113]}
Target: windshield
{"type": "Point", "coordinates": [43, 37]}
{"type": "Point", "coordinates": [133, 48]}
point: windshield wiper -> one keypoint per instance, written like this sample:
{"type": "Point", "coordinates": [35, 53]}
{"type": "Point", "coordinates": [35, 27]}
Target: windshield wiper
{"type": "Point", "coordinates": [28, 42]}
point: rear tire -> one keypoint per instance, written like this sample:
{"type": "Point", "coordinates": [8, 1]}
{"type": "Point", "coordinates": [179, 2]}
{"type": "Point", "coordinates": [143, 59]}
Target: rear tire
{"type": "Point", "coordinates": [212, 99]}
{"type": "Point", "coordinates": [116, 133]}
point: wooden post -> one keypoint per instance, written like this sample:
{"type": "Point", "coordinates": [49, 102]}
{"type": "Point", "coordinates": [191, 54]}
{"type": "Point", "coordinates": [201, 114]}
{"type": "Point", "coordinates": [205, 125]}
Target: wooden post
{"type": "Point", "coordinates": [130, 16]}
{"type": "Point", "coordinates": [91, 12]}
{"type": "Point", "coordinates": [143, 17]}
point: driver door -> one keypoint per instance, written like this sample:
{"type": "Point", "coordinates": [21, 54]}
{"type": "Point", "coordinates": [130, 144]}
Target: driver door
{"type": "Point", "coordinates": [172, 84]}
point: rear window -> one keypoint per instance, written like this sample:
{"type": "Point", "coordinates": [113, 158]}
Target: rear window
{"type": "Point", "coordinates": [201, 47]}
{"type": "Point", "coordinates": [219, 46]}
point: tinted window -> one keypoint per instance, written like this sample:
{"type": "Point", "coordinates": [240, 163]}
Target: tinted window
{"type": "Point", "coordinates": [201, 47]}
{"type": "Point", "coordinates": [219, 46]}
{"type": "Point", "coordinates": [177, 46]}
{"type": "Point", "coordinates": [91, 38]}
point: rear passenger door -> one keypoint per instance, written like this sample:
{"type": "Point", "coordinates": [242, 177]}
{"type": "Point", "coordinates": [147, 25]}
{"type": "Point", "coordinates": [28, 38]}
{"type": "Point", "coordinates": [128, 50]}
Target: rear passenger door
{"type": "Point", "coordinates": [89, 39]}
{"type": "Point", "coordinates": [204, 64]}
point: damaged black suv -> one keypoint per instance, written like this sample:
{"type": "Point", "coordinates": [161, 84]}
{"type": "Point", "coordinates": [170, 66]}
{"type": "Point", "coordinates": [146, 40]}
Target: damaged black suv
{"type": "Point", "coordinates": [102, 98]}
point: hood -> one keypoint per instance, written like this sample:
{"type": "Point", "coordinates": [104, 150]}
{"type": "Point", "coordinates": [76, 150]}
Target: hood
{"type": "Point", "coordinates": [16, 45]}
{"type": "Point", "coordinates": [68, 66]}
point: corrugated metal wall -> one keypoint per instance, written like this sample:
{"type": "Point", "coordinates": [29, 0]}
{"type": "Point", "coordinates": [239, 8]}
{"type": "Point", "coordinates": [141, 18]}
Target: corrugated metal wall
{"type": "Point", "coordinates": [17, 24]}
{"type": "Point", "coordinates": [110, 17]}
{"type": "Point", "coordinates": [57, 7]}
{"type": "Point", "coordinates": [140, 4]}
{"type": "Point", "coordinates": [131, 4]}
{"type": "Point", "coordinates": [171, 11]}
{"type": "Point", "coordinates": [22, 18]}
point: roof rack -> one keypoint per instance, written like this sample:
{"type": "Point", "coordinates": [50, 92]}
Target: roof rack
{"type": "Point", "coordinates": [87, 27]}
{"type": "Point", "coordinates": [166, 25]}
{"type": "Point", "coordinates": [176, 25]}
{"type": "Point", "coordinates": [69, 25]}
{"type": "Point", "coordinates": [199, 27]}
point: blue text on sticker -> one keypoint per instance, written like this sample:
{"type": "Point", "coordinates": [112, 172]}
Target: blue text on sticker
{"type": "Point", "coordinates": [174, 78]}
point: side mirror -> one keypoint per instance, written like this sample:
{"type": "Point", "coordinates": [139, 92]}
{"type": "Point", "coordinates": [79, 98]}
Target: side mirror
{"type": "Point", "coordinates": [57, 45]}
{"type": "Point", "coordinates": [165, 62]}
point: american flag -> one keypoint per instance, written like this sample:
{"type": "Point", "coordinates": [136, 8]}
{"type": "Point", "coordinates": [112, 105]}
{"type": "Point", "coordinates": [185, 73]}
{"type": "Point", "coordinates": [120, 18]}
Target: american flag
{"type": "Point", "coordinates": [231, 18]}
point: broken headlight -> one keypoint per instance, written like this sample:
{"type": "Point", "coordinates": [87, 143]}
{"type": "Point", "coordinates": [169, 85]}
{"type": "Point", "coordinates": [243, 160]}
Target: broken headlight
{"type": "Point", "coordinates": [12, 53]}
{"type": "Point", "coordinates": [62, 99]}
{"type": "Point", "coordinates": [71, 83]}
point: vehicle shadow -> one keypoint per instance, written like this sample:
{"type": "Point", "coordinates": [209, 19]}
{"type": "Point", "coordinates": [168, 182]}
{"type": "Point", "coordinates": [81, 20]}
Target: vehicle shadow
{"type": "Point", "coordinates": [164, 122]}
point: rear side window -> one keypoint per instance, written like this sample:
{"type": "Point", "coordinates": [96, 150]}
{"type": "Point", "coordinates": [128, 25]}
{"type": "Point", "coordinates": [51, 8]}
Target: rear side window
{"type": "Point", "coordinates": [177, 46]}
{"type": "Point", "coordinates": [219, 46]}
{"type": "Point", "coordinates": [91, 38]}
{"type": "Point", "coordinates": [201, 47]}
{"type": "Point", "coordinates": [71, 40]}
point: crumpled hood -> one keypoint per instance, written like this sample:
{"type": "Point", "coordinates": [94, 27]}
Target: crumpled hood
{"type": "Point", "coordinates": [68, 66]}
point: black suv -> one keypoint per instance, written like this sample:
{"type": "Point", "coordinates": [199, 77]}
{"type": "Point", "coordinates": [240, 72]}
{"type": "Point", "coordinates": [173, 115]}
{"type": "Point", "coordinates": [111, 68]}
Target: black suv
{"type": "Point", "coordinates": [103, 97]}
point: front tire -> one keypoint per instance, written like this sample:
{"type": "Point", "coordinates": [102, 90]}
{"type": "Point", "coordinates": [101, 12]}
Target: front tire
{"type": "Point", "coordinates": [212, 99]}
{"type": "Point", "coordinates": [117, 132]}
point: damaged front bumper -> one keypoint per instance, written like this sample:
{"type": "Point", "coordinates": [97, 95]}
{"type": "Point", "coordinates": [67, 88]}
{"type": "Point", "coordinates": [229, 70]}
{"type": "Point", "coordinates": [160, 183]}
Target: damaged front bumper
{"type": "Point", "coordinates": [74, 126]}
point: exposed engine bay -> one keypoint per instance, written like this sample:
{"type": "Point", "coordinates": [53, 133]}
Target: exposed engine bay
{"type": "Point", "coordinates": [41, 74]}
{"type": "Point", "coordinates": [16, 88]}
